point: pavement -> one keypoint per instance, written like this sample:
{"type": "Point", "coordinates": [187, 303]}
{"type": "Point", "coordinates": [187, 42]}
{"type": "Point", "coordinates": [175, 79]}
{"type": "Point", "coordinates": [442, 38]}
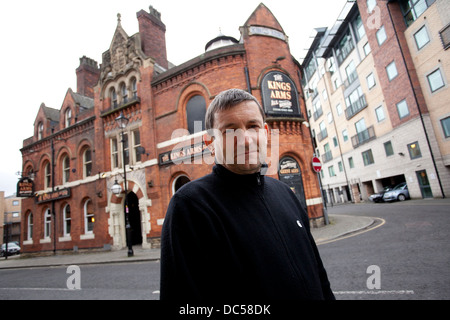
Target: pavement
{"type": "Point", "coordinates": [340, 226]}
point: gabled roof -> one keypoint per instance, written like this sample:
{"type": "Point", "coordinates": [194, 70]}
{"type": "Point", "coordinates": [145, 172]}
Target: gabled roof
{"type": "Point", "coordinates": [262, 16]}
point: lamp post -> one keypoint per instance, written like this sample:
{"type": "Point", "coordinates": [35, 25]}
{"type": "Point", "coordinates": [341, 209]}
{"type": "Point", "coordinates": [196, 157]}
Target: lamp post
{"type": "Point", "coordinates": [116, 189]}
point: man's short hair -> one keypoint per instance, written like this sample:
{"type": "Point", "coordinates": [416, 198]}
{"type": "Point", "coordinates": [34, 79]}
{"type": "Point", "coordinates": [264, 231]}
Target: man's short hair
{"type": "Point", "coordinates": [226, 100]}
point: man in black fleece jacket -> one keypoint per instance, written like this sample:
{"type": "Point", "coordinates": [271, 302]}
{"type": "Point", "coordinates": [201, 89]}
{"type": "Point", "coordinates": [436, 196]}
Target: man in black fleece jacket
{"type": "Point", "coordinates": [236, 233]}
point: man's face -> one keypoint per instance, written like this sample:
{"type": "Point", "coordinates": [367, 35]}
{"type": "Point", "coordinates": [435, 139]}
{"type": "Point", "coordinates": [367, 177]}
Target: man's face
{"type": "Point", "coordinates": [241, 138]}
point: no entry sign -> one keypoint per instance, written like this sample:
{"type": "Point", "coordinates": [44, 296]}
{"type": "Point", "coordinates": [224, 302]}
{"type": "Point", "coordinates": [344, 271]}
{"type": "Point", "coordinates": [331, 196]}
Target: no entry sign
{"type": "Point", "coordinates": [317, 165]}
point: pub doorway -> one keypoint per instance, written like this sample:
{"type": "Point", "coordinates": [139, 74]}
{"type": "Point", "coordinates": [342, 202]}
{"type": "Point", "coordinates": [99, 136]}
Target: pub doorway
{"type": "Point", "coordinates": [290, 173]}
{"type": "Point", "coordinates": [134, 216]}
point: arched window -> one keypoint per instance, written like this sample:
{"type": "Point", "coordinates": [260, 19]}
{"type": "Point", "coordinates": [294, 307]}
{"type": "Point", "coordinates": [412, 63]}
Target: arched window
{"type": "Point", "coordinates": [134, 88]}
{"type": "Point", "coordinates": [47, 175]}
{"type": "Point", "coordinates": [30, 226]}
{"type": "Point", "coordinates": [88, 217]}
{"type": "Point", "coordinates": [113, 98]}
{"type": "Point", "coordinates": [124, 92]}
{"type": "Point", "coordinates": [87, 163]}
{"type": "Point", "coordinates": [67, 220]}
{"type": "Point", "coordinates": [195, 113]}
{"type": "Point", "coordinates": [68, 117]}
{"type": "Point", "coordinates": [66, 169]}
{"type": "Point", "coordinates": [179, 182]}
{"type": "Point", "coordinates": [47, 223]}
{"type": "Point", "coordinates": [40, 130]}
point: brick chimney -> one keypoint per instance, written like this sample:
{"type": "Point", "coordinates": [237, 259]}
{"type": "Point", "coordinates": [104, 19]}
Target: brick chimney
{"type": "Point", "coordinates": [153, 36]}
{"type": "Point", "coordinates": [87, 76]}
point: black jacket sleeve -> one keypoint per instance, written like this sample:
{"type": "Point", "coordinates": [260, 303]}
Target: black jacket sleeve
{"type": "Point", "coordinates": [192, 260]}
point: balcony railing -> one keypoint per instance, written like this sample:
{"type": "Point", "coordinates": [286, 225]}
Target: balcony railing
{"type": "Point", "coordinates": [350, 79]}
{"type": "Point", "coordinates": [356, 107]}
{"type": "Point", "coordinates": [318, 113]}
{"type": "Point", "coordinates": [322, 135]}
{"type": "Point", "coordinates": [327, 156]}
{"type": "Point", "coordinates": [363, 137]}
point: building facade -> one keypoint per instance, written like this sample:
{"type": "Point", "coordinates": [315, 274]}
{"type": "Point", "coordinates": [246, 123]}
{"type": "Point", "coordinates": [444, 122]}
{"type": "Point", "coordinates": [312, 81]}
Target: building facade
{"type": "Point", "coordinates": [10, 208]}
{"type": "Point", "coordinates": [80, 152]}
{"type": "Point", "coordinates": [377, 93]}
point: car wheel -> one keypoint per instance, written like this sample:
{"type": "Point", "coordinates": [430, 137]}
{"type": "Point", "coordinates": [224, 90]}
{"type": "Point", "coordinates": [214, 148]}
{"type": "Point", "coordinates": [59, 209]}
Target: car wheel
{"type": "Point", "coordinates": [401, 197]}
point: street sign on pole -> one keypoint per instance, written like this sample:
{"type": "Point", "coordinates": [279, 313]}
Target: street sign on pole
{"type": "Point", "coordinates": [317, 164]}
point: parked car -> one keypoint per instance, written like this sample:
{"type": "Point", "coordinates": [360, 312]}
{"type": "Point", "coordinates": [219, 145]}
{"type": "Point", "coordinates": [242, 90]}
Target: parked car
{"type": "Point", "coordinates": [13, 248]}
{"type": "Point", "coordinates": [400, 193]}
{"type": "Point", "coordinates": [378, 197]}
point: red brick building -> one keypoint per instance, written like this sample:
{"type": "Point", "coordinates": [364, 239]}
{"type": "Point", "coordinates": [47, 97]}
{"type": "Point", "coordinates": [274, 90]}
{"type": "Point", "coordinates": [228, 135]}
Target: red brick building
{"type": "Point", "coordinates": [76, 153]}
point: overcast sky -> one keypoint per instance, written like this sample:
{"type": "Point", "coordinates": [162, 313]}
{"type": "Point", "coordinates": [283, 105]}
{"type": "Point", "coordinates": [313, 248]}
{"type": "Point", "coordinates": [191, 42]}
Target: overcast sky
{"type": "Point", "coordinates": [42, 42]}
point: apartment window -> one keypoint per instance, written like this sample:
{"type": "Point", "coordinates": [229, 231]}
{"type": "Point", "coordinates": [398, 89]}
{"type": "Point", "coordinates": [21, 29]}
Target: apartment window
{"type": "Point", "coordinates": [370, 81]}
{"type": "Point", "coordinates": [414, 150]}
{"type": "Point", "coordinates": [331, 171]}
{"type": "Point", "coordinates": [370, 5]}
{"type": "Point", "coordinates": [345, 135]}
{"type": "Point", "coordinates": [367, 49]}
{"type": "Point", "coordinates": [435, 80]}
{"type": "Point", "coordinates": [445, 123]}
{"type": "Point", "coordinates": [330, 117]}
{"type": "Point", "coordinates": [359, 28]}
{"type": "Point", "coordinates": [345, 47]}
{"type": "Point", "coordinates": [88, 217]}
{"type": "Point", "coordinates": [368, 157]}
{"type": "Point", "coordinates": [352, 75]}
{"type": "Point", "coordinates": [388, 149]}
{"type": "Point", "coordinates": [335, 141]}
{"type": "Point", "coordinates": [114, 153]}
{"type": "Point", "coordinates": [351, 164]}
{"type": "Point", "coordinates": [339, 109]}
{"type": "Point", "coordinates": [67, 220]}
{"type": "Point", "coordinates": [445, 36]}
{"type": "Point", "coordinates": [402, 109]}
{"type": "Point", "coordinates": [195, 113]}
{"type": "Point", "coordinates": [341, 167]}
{"type": "Point", "coordinates": [380, 113]}
{"type": "Point", "coordinates": [324, 95]}
{"type": "Point", "coordinates": [381, 36]}
{"type": "Point", "coordinates": [66, 169]}
{"type": "Point", "coordinates": [137, 145]}
{"type": "Point", "coordinates": [15, 203]}
{"type": "Point", "coordinates": [412, 9]}
{"type": "Point", "coordinates": [30, 226]}
{"type": "Point", "coordinates": [391, 71]}
{"type": "Point", "coordinates": [421, 38]}
{"type": "Point", "coordinates": [47, 223]}
{"type": "Point", "coordinates": [87, 163]}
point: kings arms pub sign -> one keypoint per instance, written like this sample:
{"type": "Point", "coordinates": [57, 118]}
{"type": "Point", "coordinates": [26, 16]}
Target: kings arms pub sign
{"type": "Point", "coordinates": [280, 96]}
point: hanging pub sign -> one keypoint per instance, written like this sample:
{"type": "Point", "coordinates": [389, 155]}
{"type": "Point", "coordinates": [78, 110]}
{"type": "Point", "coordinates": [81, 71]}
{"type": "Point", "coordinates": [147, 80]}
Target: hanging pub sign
{"type": "Point", "coordinates": [25, 187]}
{"type": "Point", "coordinates": [279, 94]}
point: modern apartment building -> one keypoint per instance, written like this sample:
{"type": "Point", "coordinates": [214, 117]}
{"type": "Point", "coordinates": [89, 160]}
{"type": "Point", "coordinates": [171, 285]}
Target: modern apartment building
{"type": "Point", "coordinates": [377, 97]}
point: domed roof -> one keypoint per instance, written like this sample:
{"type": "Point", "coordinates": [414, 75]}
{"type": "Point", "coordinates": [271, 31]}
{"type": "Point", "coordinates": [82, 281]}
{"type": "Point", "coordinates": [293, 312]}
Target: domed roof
{"type": "Point", "coordinates": [220, 41]}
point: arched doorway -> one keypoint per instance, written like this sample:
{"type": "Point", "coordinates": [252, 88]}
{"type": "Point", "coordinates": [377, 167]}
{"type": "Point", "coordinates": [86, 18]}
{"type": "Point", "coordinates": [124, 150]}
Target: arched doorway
{"type": "Point", "coordinates": [134, 216]}
{"type": "Point", "coordinates": [290, 173]}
